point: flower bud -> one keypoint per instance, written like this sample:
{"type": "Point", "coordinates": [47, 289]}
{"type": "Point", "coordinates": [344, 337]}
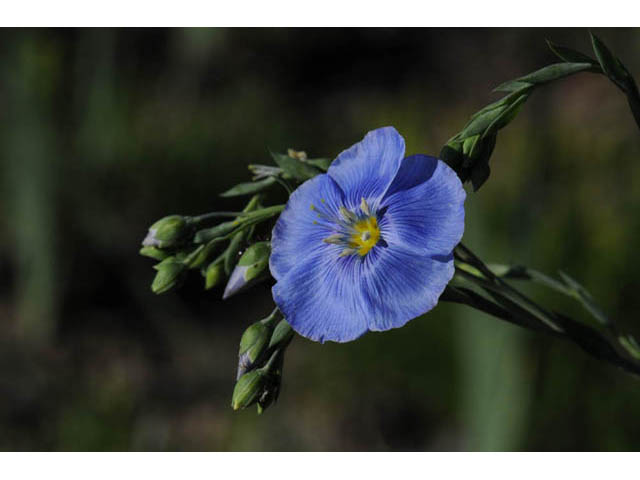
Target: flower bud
{"type": "Point", "coordinates": [153, 252]}
{"type": "Point", "coordinates": [170, 273]}
{"type": "Point", "coordinates": [249, 388]}
{"type": "Point", "coordinates": [281, 336]}
{"type": "Point", "coordinates": [171, 231]}
{"type": "Point", "coordinates": [251, 268]}
{"type": "Point", "coordinates": [213, 275]}
{"type": "Point", "coordinates": [255, 342]}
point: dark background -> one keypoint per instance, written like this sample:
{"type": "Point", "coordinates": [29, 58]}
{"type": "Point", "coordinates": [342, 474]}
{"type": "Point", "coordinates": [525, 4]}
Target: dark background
{"type": "Point", "coordinates": [104, 131]}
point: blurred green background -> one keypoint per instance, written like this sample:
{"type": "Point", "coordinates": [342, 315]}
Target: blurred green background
{"type": "Point", "coordinates": [103, 131]}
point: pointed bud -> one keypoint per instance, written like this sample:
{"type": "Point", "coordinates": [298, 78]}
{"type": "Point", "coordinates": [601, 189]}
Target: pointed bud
{"type": "Point", "coordinates": [282, 335]}
{"type": "Point", "coordinates": [251, 268]}
{"type": "Point", "coordinates": [170, 273]}
{"type": "Point", "coordinates": [171, 231]}
{"type": "Point", "coordinates": [213, 275]}
{"type": "Point", "coordinates": [153, 252]}
{"type": "Point", "coordinates": [255, 343]}
{"type": "Point", "coordinates": [249, 388]}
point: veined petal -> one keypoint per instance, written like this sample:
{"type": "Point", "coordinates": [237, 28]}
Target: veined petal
{"type": "Point", "coordinates": [427, 219]}
{"type": "Point", "coordinates": [299, 230]}
{"type": "Point", "coordinates": [321, 297]}
{"type": "Point", "coordinates": [367, 168]}
{"type": "Point", "coordinates": [340, 298]}
{"type": "Point", "coordinates": [400, 285]}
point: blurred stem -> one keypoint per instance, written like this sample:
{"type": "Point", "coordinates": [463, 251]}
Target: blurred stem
{"type": "Point", "coordinates": [29, 152]}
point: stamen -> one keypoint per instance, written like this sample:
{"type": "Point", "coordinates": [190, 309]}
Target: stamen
{"type": "Point", "coordinates": [348, 251]}
{"type": "Point", "coordinates": [364, 207]}
{"type": "Point", "coordinates": [336, 239]}
{"type": "Point", "coordinates": [348, 215]}
{"type": "Point", "coordinates": [365, 236]}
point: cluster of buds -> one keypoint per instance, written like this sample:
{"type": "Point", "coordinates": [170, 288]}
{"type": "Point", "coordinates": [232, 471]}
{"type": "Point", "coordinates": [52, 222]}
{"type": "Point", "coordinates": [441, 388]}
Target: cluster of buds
{"type": "Point", "coordinates": [260, 360]}
{"type": "Point", "coordinates": [227, 252]}
{"type": "Point", "coordinates": [181, 243]}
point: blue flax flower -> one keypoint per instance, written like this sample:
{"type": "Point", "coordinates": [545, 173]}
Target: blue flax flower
{"type": "Point", "coordinates": [367, 246]}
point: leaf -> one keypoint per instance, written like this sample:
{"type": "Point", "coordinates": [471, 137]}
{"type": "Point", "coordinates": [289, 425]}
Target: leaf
{"type": "Point", "coordinates": [544, 75]}
{"type": "Point", "coordinates": [512, 86]}
{"type": "Point", "coordinates": [294, 167]}
{"type": "Point", "coordinates": [321, 163]}
{"type": "Point", "coordinates": [504, 101]}
{"type": "Point", "coordinates": [480, 123]}
{"type": "Point", "coordinates": [506, 115]}
{"type": "Point", "coordinates": [584, 297]}
{"type": "Point", "coordinates": [249, 187]}
{"type": "Point", "coordinates": [610, 64]}
{"type": "Point", "coordinates": [630, 345]}
{"type": "Point", "coordinates": [497, 117]}
{"type": "Point", "coordinates": [570, 55]}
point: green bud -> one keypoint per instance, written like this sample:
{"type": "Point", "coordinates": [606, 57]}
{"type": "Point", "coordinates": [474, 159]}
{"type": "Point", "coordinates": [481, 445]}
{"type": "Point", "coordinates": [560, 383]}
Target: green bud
{"type": "Point", "coordinates": [249, 388]}
{"type": "Point", "coordinates": [170, 273]}
{"type": "Point", "coordinates": [213, 275]}
{"type": "Point", "coordinates": [251, 268]}
{"type": "Point", "coordinates": [255, 343]}
{"type": "Point", "coordinates": [282, 335]}
{"type": "Point", "coordinates": [153, 252]}
{"type": "Point", "coordinates": [171, 231]}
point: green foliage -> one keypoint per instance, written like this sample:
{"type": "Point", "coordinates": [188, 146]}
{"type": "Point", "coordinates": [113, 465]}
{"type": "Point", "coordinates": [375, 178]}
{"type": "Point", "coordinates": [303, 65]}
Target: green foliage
{"type": "Point", "coordinates": [469, 151]}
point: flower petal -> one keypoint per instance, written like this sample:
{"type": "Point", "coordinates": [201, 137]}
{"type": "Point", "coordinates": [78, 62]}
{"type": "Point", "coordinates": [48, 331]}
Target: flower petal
{"type": "Point", "coordinates": [367, 168]}
{"type": "Point", "coordinates": [328, 297]}
{"type": "Point", "coordinates": [401, 285]}
{"type": "Point", "coordinates": [413, 171]}
{"type": "Point", "coordinates": [298, 231]}
{"type": "Point", "coordinates": [321, 297]}
{"type": "Point", "coordinates": [428, 218]}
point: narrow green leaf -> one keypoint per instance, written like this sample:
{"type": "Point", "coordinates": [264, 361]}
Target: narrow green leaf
{"type": "Point", "coordinates": [544, 75]}
{"type": "Point", "coordinates": [480, 123]}
{"type": "Point", "coordinates": [506, 115]}
{"type": "Point", "coordinates": [630, 345]}
{"type": "Point", "coordinates": [570, 55]}
{"type": "Point", "coordinates": [249, 187]}
{"type": "Point", "coordinates": [610, 64]}
{"type": "Point", "coordinates": [504, 101]}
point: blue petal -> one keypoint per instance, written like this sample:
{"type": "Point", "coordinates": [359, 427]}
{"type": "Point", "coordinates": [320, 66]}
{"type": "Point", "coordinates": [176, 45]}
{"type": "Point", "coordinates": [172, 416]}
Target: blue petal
{"type": "Point", "coordinates": [321, 298]}
{"type": "Point", "coordinates": [428, 218]}
{"type": "Point", "coordinates": [368, 167]}
{"type": "Point", "coordinates": [340, 298]}
{"type": "Point", "coordinates": [413, 171]}
{"type": "Point", "coordinates": [400, 285]}
{"type": "Point", "coordinates": [296, 233]}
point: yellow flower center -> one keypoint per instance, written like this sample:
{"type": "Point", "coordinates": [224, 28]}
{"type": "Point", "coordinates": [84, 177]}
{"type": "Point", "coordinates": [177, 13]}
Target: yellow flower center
{"type": "Point", "coordinates": [356, 232]}
{"type": "Point", "coordinates": [366, 235]}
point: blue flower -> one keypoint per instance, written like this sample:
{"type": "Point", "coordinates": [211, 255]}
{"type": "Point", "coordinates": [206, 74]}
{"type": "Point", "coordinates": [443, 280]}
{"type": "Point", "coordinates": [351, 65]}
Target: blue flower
{"type": "Point", "coordinates": [367, 246]}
